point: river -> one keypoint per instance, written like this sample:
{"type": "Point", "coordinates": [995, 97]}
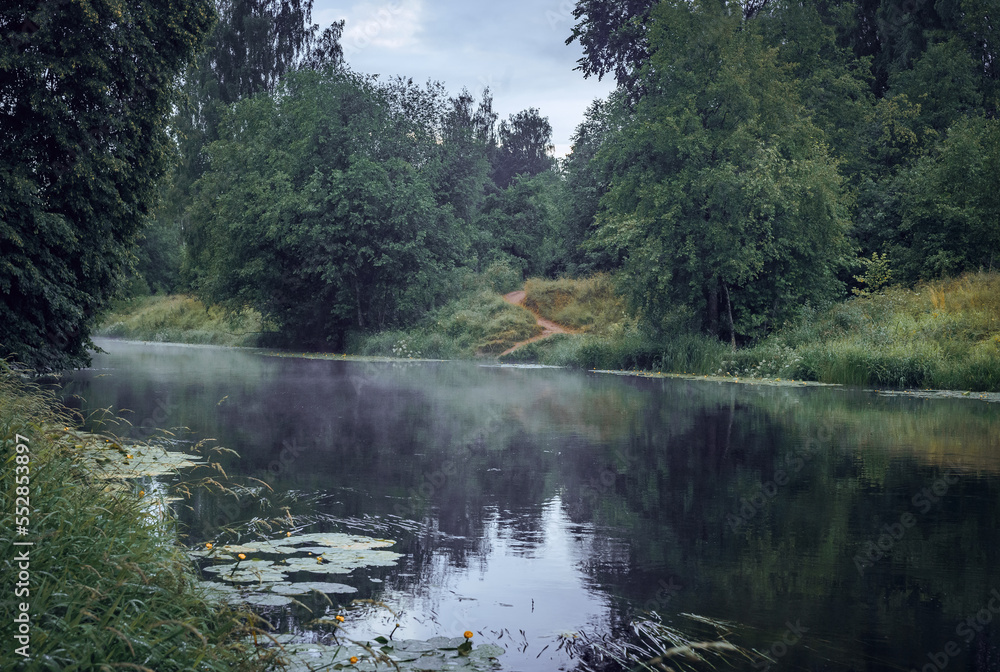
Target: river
{"type": "Point", "coordinates": [545, 509]}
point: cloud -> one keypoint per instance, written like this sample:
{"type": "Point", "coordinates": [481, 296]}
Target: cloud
{"type": "Point", "coordinates": [392, 25]}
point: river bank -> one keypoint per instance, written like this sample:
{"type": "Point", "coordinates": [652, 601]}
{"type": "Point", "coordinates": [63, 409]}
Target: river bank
{"type": "Point", "coordinates": [943, 335]}
{"type": "Point", "coordinates": [96, 575]}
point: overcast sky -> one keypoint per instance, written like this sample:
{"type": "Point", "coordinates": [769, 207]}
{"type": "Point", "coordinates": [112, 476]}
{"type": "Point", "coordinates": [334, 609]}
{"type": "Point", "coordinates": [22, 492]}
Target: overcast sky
{"type": "Point", "coordinates": [517, 48]}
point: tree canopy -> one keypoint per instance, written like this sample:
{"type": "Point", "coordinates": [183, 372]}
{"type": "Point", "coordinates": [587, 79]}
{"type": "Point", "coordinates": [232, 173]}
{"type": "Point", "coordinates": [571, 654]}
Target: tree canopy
{"type": "Point", "coordinates": [724, 198]}
{"type": "Point", "coordinates": [85, 93]}
{"type": "Point", "coordinates": [319, 210]}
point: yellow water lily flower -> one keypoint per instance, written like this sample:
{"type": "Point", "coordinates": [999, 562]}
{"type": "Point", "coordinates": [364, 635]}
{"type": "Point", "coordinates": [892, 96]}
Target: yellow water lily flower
{"type": "Point", "coordinates": [339, 618]}
{"type": "Point", "coordinates": [354, 659]}
{"type": "Point", "coordinates": [468, 634]}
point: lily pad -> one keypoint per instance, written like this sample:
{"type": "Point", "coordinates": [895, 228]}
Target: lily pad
{"type": "Point", "coordinates": [303, 587]}
{"type": "Point", "coordinates": [267, 578]}
{"type": "Point", "coordinates": [334, 540]}
{"type": "Point", "coordinates": [405, 655]}
{"type": "Point", "coordinates": [340, 561]}
{"type": "Point", "coordinates": [110, 463]}
{"type": "Point", "coordinates": [267, 599]}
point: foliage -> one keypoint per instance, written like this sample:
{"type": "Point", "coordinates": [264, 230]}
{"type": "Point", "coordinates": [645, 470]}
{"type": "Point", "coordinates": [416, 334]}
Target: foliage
{"type": "Point", "coordinates": [463, 162]}
{"type": "Point", "coordinates": [613, 37]}
{"type": "Point", "coordinates": [520, 226]}
{"type": "Point", "coordinates": [589, 304]}
{"type": "Point", "coordinates": [724, 197]}
{"type": "Point", "coordinates": [876, 275]}
{"type": "Point", "coordinates": [525, 143]}
{"type": "Point", "coordinates": [253, 46]}
{"type": "Point", "coordinates": [318, 212]}
{"type": "Point", "coordinates": [131, 598]}
{"type": "Point", "coordinates": [180, 319]}
{"type": "Point", "coordinates": [84, 97]}
{"type": "Point", "coordinates": [944, 334]}
{"type": "Point", "coordinates": [949, 205]}
{"type": "Point", "coordinates": [586, 181]}
{"type": "Point", "coordinates": [475, 324]}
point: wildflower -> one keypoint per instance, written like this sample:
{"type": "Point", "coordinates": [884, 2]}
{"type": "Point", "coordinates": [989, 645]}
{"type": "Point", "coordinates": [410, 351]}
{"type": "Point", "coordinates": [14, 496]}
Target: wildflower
{"type": "Point", "coordinates": [468, 634]}
{"type": "Point", "coordinates": [339, 618]}
{"type": "Point", "coordinates": [354, 659]}
{"type": "Point", "coordinates": [142, 493]}
{"type": "Point", "coordinates": [128, 457]}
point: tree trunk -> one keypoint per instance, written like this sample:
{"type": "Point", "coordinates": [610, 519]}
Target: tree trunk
{"type": "Point", "coordinates": [357, 297]}
{"type": "Point", "coordinates": [729, 311]}
{"type": "Point", "coordinates": [713, 309]}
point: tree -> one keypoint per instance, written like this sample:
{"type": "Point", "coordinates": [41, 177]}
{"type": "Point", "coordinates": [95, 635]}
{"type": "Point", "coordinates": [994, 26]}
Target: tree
{"type": "Point", "coordinates": [614, 37]}
{"type": "Point", "coordinates": [725, 200]}
{"type": "Point", "coordinates": [945, 83]}
{"type": "Point", "coordinates": [521, 226]}
{"type": "Point", "coordinates": [468, 138]}
{"type": "Point", "coordinates": [525, 145]}
{"type": "Point", "coordinates": [254, 44]}
{"type": "Point", "coordinates": [319, 212]}
{"type": "Point", "coordinates": [84, 97]}
{"type": "Point", "coordinates": [586, 182]}
{"type": "Point", "coordinates": [949, 206]}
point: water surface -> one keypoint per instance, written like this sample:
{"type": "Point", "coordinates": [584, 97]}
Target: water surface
{"type": "Point", "coordinates": [834, 528]}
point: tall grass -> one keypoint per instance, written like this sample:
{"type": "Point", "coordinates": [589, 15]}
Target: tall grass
{"type": "Point", "coordinates": [477, 323]}
{"type": "Point", "coordinates": [109, 587]}
{"type": "Point", "coordinates": [943, 334]}
{"type": "Point", "coordinates": [589, 305]}
{"type": "Point", "coordinates": [181, 319]}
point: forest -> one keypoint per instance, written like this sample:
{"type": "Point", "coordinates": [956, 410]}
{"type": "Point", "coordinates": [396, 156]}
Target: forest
{"type": "Point", "coordinates": [756, 159]}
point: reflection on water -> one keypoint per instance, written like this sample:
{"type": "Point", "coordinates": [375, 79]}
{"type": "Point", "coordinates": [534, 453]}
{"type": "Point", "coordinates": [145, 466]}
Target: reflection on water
{"type": "Point", "coordinates": [836, 529]}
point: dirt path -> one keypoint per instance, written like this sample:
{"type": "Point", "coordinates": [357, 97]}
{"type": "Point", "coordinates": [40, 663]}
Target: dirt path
{"type": "Point", "coordinates": [548, 327]}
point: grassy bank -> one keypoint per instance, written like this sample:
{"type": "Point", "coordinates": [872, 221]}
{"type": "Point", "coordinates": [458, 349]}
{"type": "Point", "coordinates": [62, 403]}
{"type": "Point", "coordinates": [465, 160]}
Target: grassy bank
{"type": "Point", "coordinates": [479, 323]}
{"type": "Point", "coordinates": [107, 586]}
{"type": "Point", "coordinates": [180, 319]}
{"type": "Point", "coordinates": [944, 335]}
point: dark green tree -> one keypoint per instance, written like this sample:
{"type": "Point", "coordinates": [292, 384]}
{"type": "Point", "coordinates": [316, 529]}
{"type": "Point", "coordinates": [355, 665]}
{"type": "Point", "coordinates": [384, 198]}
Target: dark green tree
{"type": "Point", "coordinates": [949, 206]}
{"type": "Point", "coordinates": [615, 40]}
{"type": "Point", "coordinates": [525, 146]}
{"type": "Point", "coordinates": [85, 91]}
{"type": "Point", "coordinates": [252, 47]}
{"type": "Point", "coordinates": [319, 210]}
{"type": "Point", "coordinates": [725, 200]}
{"type": "Point", "coordinates": [520, 225]}
{"type": "Point", "coordinates": [586, 182]}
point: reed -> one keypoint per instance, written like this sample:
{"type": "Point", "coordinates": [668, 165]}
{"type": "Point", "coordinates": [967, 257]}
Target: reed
{"type": "Point", "coordinates": [109, 587]}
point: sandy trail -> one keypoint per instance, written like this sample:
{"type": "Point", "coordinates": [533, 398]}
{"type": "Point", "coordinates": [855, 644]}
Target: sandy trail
{"type": "Point", "coordinates": [548, 327]}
